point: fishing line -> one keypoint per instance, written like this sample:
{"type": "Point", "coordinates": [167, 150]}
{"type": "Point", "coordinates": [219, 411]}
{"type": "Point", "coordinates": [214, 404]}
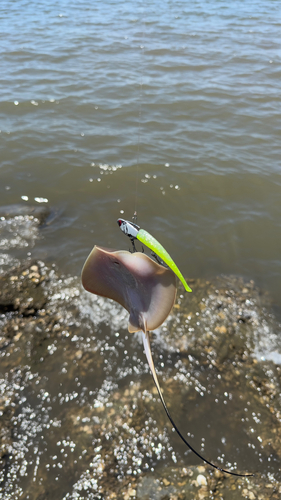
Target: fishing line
{"type": "Point", "coordinates": [146, 343]}
{"type": "Point", "coordinates": [141, 46]}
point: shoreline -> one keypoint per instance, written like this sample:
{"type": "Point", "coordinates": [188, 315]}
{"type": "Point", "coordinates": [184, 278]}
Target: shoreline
{"type": "Point", "coordinates": [78, 421]}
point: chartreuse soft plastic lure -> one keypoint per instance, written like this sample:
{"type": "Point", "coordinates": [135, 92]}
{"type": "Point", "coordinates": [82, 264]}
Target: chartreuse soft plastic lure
{"type": "Point", "coordinates": [134, 232]}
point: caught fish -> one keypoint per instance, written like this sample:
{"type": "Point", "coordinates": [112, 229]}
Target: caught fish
{"type": "Point", "coordinates": [146, 290]}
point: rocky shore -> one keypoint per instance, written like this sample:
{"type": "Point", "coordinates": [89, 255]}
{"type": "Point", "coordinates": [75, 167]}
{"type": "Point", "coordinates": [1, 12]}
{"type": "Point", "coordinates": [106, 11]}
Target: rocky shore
{"type": "Point", "coordinates": [80, 417]}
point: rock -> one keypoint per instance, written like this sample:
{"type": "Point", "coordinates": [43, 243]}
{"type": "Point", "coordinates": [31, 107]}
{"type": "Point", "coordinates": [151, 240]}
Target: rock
{"type": "Point", "coordinates": [221, 322]}
{"type": "Point", "coordinates": [36, 211]}
{"type": "Point", "coordinates": [201, 480]}
{"type": "Point", "coordinates": [80, 414]}
{"type": "Point", "coordinates": [19, 291]}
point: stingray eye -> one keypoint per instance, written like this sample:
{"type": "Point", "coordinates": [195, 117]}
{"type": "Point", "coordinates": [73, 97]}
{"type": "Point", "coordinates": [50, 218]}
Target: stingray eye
{"type": "Point", "coordinates": [116, 263]}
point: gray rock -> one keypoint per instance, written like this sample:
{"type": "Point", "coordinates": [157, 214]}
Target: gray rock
{"type": "Point", "coordinates": [37, 211]}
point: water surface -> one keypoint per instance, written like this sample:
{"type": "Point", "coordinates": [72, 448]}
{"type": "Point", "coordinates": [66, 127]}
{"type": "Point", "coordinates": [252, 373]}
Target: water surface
{"type": "Point", "coordinates": [88, 91]}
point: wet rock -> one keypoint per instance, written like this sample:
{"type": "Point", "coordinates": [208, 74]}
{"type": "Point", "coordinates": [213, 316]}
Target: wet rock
{"type": "Point", "coordinates": [223, 321]}
{"type": "Point", "coordinates": [38, 212]}
{"type": "Point", "coordinates": [19, 229]}
{"type": "Point", "coordinates": [201, 480]}
{"type": "Point", "coordinates": [17, 232]}
{"type": "Point", "coordinates": [20, 290]}
{"type": "Point", "coordinates": [82, 418]}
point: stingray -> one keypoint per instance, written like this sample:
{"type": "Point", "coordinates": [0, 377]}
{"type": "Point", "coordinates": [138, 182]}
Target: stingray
{"type": "Point", "coordinates": [147, 290]}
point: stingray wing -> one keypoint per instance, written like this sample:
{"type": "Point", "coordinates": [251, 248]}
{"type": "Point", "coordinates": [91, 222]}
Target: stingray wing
{"type": "Point", "coordinates": [143, 287]}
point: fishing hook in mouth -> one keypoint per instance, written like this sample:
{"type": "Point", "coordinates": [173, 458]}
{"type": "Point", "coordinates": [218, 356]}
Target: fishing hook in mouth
{"type": "Point", "coordinates": [133, 245]}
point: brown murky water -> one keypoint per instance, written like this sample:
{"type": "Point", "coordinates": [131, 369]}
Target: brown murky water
{"type": "Point", "coordinates": [210, 109]}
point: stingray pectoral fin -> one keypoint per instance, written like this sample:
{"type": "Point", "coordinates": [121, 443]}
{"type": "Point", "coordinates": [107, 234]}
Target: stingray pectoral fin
{"type": "Point", "coordinates": [154, 245]}
{"type": "Point", "coordinates": [104, 274]}
{"type": "Point", "coordinates": [147, 349]}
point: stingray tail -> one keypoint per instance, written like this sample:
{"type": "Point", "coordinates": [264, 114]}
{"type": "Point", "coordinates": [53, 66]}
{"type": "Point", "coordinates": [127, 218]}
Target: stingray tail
{"type": "Point", "coordinates": [146, 343]}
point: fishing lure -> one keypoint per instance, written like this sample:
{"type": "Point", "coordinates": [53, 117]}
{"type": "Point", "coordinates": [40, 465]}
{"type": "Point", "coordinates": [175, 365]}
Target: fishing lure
{"type": "Point", "coordinates": [135, 232]}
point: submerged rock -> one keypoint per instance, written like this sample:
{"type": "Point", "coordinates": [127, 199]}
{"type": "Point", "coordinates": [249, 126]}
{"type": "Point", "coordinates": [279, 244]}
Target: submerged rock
{"type": "Point", "coordinates": [17, 232]}
{"type": "Point", "coordinates": [20, 227]}
{"type": "Point", "coordinates": [38, 212]}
